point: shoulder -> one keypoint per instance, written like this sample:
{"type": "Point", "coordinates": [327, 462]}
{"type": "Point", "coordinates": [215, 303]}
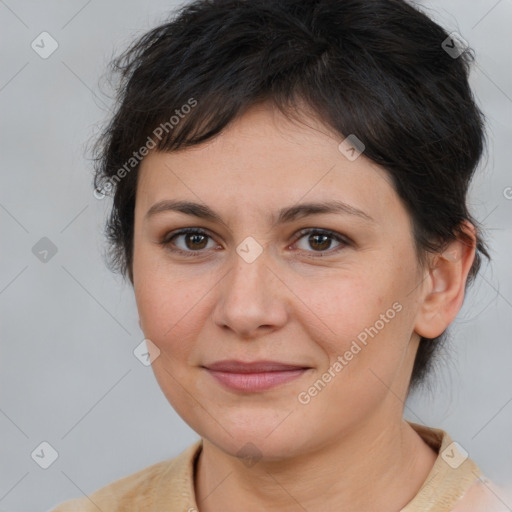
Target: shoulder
{"type": "Point", "coordinates": [111, 496]}
{"type": "Point", "coordinates": [483, 496]}
{"type": "Point", "coordinates": [143, 488]}
{"type": "Point", "coordinates": [455, 482]}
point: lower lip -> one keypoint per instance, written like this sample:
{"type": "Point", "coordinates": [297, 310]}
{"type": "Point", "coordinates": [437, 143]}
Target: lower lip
{"type": "Point", "coordinates": [251, 382]}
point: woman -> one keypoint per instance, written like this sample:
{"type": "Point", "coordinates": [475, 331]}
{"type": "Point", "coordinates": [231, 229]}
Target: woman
{"type": "Point", "coordinates": [289, 185]}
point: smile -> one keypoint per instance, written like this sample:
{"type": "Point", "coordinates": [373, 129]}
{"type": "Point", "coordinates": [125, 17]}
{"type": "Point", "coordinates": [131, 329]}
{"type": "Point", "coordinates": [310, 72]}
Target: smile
{"type": "Point", "coordinates": [254, 377]}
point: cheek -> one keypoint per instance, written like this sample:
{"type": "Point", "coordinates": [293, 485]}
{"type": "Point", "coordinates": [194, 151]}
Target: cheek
{"type": "Point", "coordinates": [341, 306]}
{"type": "Point", "coordinates": [173, 305]}
{"type": "Point", "coordinates": [360, 322]}
{"type": "Point", "coordinates": [169, 312]}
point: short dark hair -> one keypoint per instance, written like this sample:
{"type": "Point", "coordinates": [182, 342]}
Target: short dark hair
{"type": "Point", "coordinates": [374, 69]}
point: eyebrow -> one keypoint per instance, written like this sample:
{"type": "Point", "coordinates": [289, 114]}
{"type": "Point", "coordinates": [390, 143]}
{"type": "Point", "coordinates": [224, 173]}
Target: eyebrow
{"type": "Point", "coordinates": [284, 215]}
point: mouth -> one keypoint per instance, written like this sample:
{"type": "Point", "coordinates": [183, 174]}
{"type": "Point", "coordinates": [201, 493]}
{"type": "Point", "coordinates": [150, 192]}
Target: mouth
{"type": "Point", "coordinates": [254, 376]}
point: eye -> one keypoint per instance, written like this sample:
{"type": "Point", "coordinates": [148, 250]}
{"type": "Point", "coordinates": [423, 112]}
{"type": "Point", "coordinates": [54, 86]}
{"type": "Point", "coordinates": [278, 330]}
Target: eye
{"type": "Point", "coordinates": [320, 240]}
{"type": "Point", "coordinates": [188, 241]}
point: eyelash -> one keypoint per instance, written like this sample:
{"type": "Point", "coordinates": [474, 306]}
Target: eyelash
{"type": "Point", "coordinates": [344, 241]}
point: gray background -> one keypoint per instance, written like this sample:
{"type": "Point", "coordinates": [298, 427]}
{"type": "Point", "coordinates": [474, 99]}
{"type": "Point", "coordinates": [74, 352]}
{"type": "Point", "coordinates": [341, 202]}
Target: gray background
{"type": "Point", "coordinates": [68, 374]}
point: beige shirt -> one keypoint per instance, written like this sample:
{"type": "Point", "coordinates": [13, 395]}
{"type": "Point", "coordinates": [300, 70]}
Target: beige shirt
{"type": "Point", "coordinates": [455, 484]}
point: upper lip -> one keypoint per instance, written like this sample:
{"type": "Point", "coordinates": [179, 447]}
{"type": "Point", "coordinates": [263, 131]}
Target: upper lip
{"type": "Point", "coordinates": [233, 366]}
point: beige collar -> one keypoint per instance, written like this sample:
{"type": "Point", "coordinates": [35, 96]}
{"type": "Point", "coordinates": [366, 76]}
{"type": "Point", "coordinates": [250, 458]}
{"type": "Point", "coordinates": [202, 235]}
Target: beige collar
{"type": "Point", "coordinates": [449, 479]}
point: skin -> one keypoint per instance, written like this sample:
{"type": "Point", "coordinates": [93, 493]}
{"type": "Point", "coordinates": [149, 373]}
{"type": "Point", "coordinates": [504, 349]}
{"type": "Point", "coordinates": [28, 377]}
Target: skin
{"type": "Point", "coordinates": [349, 447]}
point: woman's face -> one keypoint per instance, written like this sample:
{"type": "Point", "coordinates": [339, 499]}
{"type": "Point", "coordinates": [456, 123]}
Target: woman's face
{"type": "Point", "coordinates": [251, 287]}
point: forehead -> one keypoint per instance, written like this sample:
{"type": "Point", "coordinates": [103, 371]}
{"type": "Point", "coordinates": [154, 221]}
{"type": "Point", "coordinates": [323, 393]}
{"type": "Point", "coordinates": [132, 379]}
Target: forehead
{"type": "Point", "coordinates": [261, 161]}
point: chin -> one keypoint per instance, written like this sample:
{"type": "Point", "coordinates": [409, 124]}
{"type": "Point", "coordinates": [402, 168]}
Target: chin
{"type": "Point", "coordinates": [258, 435]}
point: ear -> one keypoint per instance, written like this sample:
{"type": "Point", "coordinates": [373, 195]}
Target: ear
{"type": "Point", "coordinates": [443, 293]}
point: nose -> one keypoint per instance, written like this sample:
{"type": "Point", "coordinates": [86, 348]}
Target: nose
{"type": "Point", "coordinates": [252, 300]}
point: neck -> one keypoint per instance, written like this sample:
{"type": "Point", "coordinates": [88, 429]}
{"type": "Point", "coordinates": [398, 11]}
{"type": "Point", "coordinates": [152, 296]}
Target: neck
{"type": "Point", "coordinates": [371, 468]}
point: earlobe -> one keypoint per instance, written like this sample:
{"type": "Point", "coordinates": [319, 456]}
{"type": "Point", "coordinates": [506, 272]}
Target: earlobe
{"type": "Point", "coordinates": [443, 293]}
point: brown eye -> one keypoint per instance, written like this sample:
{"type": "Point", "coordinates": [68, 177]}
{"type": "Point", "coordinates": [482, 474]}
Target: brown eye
{"type": "Point", "coordinates": [320, 241]}
{"type": "Point", "coordinates": [188, 240]}
{"type": "Point", "coordinates": [195, 241]}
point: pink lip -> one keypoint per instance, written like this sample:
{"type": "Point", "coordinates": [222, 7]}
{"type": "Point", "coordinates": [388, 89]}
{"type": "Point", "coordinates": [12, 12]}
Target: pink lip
{"type": "Point", "coordinates": [254, 376]}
